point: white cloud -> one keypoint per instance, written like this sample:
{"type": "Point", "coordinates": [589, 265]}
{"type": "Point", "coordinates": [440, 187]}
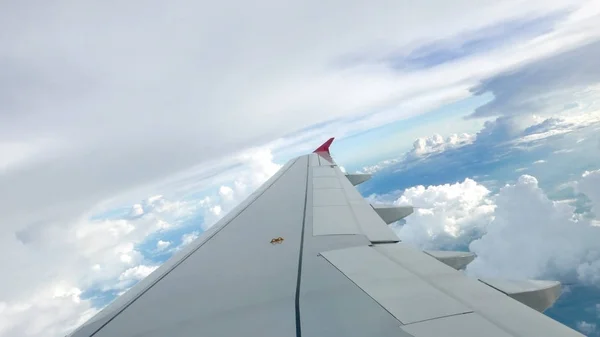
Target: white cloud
{"type": "Point", "coordinates": [510, 131]}
{"type": "Point", "coordinates": [379, 166]}
{"type": "Point", "coordinates": [180, 124]}
{"type": "Point", "coordinates": [136, 273]}
{"type": "Point", "coordinates": [534, 237]}
{"type": "Point", "coordinates": [437, 144]}
{"type": "Point", "coordinates": [188, 238]}
{"type": "Point", "coordinates": [162, 245]}
{"type": "Point", "coordinates": [131, 276]}
{"type": "Point", "coordinates": [51, 312]}
{"type": "Point", "coordinates": [16, 154]}
{"type": "Point", "coordinates": [57, 263]}
{"type": "Point", "coordinates": [447, 215]}
{"type": "Point", "coordinates": [586, 327]}
{"type": "Point", "coordinates": [258, 166]}
{"type": "Point", "coordinates": [226, 193]}
{"type": "Point", "coordinates": [519, 233]}
{"type": "Point", "coordinates": [216, 210]}
{"type": "Point", "coordinates": [563, 151]}
{"type": "Point", "coordinates": [423, 147]}
{"type": "Point", "coordinates": [158, 204]}
{"type": "Point", "coordinates": [543, 128]}
{"type": "Point", "coordinates": [136, 210]}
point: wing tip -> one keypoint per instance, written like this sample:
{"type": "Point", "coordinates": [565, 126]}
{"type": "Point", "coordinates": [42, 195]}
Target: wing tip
{"type": "Point", "coordinates": [325, 146]}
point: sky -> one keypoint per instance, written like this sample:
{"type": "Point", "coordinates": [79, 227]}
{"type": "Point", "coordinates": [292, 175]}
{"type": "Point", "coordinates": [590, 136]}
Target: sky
{"type": "Point", "coordinates": [127, 129]}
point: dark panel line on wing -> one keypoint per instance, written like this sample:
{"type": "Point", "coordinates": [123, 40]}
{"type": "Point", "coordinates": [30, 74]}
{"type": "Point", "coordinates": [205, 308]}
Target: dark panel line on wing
{"type": "Point", "coordinates": [298, 280]}
{"type": "Point", "coordinates": [193, 251]}
{"type": "Point", "coordinates": [445, 316]}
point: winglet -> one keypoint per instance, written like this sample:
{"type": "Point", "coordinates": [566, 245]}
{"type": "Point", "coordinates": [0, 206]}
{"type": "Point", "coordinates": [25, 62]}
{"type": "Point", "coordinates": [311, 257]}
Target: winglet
{"type": "Point", "coordinates": [325, 146]}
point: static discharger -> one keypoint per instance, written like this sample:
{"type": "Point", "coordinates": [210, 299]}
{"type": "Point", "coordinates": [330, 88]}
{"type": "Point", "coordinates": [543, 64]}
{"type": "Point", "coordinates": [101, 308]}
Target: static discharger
{"type": "Point", "coordinates": [277, 240]}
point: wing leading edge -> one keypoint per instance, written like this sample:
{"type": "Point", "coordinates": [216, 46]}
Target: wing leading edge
{"type": "Point", "coordinates": [306, 255]}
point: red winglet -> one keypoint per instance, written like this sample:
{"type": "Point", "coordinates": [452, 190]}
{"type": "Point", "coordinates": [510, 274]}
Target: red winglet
{"type": "Point", "coordinates": [325, 146]}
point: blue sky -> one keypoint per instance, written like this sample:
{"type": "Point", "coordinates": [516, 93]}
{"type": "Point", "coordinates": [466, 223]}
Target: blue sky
{"type": "Point", "coordinates": [134, 132]}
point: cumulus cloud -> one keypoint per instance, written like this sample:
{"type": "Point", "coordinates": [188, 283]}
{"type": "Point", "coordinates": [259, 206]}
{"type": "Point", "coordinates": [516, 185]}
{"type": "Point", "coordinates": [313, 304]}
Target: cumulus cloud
{"type": "Point", "coordinates": [158, 204]}
{"type": "Point", "coordinates": [136, 273]}
{"type": "Point", "coordinates": [100, 253]}
{"type": "Point", "coordinates": [437, 143]}
{"type": "Point", "coordinates": [448, 216]}
{"type": "Point", "coordinates": [136, 210]}
{"type": "Point", "coordinates": [379, 166]}
{"type": "Point", "coordinates": [258, 167]}
{"type": "Point", "coordinates": [532, 236]}
{"type": "Point", "coordinates": [499, 138]}
{"type": "Point", "coordinates": [423, 147]}
{"type": "Point", "coordinates": [226, 193]}
{"type": "Point", "coordinates": [162, 245]}
{"type": "Point", "coordinates": [96, 253]}
{"type": "Point", "coordinates": [518, 233]}
{"type": "Point", "coordinates": [499, 130]}
{"type": "Point", "coordinates": [56, 309]}
{"type": "Point", "coordinates": [129, 277]}
{"type": "Point", "coordinates": [187, 238]}
{"type": "Point", "coordinates": [586, 327]}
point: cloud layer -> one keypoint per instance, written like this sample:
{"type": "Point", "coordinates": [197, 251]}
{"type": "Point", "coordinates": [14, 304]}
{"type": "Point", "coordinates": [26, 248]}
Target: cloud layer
{"type": "Point", "coordinates": [89, 262]}
{"type": "Point", "coordinates": [129, 96]}
{"type": "Point", "coordinates": [534, 237]}
{"type": "Point", "coordinates": [518, 233]}
{"type": "Point", "coordinates": [448, 216]}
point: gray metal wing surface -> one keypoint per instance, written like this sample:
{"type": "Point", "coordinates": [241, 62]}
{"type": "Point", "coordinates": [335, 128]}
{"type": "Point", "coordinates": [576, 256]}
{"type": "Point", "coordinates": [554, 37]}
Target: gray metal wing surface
{"type": "Point", "coordinates": [306, 255]}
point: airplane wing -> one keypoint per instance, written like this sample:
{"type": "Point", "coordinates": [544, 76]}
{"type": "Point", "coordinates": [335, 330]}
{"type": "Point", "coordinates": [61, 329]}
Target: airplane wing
{"type": "Point", "coordinates": [306, 255]}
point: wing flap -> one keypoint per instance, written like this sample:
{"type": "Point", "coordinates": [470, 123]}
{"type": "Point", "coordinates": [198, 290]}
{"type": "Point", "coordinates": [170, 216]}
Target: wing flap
{"type": "Point", "coordinates": [537, 294]}
{"type": "Point", "coordinates": [454, 259]}
{"type": "Point", "coordinates": [495, 306]}
{"type": "Point", "coordinates": [399, 291]}
{"type": "Point", "coordinates": [357, 178]}
{"type": "Point", "coordinates": [391, 214]}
